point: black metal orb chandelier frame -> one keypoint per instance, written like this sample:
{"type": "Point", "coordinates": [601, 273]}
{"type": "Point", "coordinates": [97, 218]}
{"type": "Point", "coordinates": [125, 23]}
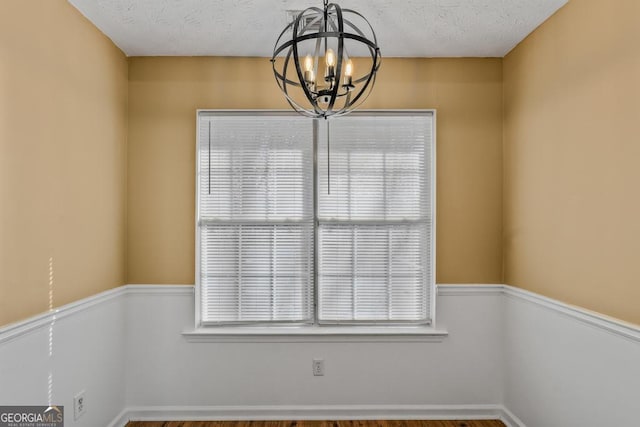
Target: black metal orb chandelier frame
{"type": "Point", "coordinates": [315, 33]}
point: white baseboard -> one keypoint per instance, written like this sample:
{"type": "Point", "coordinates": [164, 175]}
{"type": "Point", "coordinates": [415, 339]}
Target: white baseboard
{"type": "Point", "coordinates": [320, 412]}
{"type": "Point", "coordinates": [121, 420]}
{"type": "Point", "coordinates": [510, 419]}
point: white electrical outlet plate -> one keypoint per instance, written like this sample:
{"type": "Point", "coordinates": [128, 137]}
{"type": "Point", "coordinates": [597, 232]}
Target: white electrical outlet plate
{"type": "Point", "coordinates": [318, 367]}
{"type": "Point", "coordinates": [79, 405]}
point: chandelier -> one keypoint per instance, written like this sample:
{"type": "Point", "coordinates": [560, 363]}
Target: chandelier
{"type": "Point", "coordinates": [313, 65]}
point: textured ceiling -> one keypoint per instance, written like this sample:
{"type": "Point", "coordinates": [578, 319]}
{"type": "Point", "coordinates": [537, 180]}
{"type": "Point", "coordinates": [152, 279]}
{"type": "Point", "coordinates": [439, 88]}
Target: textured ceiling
{"type": "Point", "coordinates": [413, 28]}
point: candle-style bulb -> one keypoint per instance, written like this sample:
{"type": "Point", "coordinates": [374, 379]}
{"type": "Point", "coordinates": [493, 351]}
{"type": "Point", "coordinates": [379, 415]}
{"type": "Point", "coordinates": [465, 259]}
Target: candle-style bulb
{"type": "Point", "coordinates": [308, 63]}
{"type": "Point", "coordinates": [349, 69]}
{"type": "Point", "coordinates": [330, 58]}
{"type": "Point", "coordinates": [348, 79]}
{"type": "Point", "coordinates": [330, 70]}
{"type": "Point", "coordinates": [307, 67]}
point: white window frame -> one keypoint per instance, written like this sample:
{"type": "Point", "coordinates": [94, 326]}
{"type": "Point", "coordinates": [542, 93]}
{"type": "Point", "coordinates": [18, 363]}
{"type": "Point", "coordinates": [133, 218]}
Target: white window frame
{"type": "Point", "coordinates": [317, 331]}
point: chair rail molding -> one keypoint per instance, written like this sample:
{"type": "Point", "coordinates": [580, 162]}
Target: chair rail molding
{"type": "Point", "coordinates": [134, 333]}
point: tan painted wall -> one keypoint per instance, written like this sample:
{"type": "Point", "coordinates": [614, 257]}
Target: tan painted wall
{"type": "Point", "coordinates": [571, 112]}
{"type": "Point", "coordinates": [164, 94]}
{"type": "Point", "coordinates": [572, 158]}
{"type": "Point", "coordinates": [63, 100]}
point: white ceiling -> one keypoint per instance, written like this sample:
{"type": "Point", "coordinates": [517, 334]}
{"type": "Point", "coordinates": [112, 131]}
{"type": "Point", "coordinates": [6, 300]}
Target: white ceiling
{"type": "Point", "coordinates": [405, 28]}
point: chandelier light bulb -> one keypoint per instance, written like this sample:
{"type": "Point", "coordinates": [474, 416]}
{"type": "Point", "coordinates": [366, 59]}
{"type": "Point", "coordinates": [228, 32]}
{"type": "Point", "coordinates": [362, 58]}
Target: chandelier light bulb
{"type": "Point", "coordinates": [330, 72]}
{"type": "Point", "coordinates": [330, 58]}
{"type": "Point", "coordinates": [309, 76]}
{"type": "Point", "coordinates": [308, 63]}
{"type": "Point", "coordinates": [349, 69]}
{"type": "Point", "coordinates": [348, 77]}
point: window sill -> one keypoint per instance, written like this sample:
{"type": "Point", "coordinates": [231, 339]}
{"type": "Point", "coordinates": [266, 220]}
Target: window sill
{"type": "Point", "coordinates": [316, 334]}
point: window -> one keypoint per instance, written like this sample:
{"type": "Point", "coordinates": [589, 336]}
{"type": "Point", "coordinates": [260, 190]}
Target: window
{"type": "Point", "coordinates": [304, 221]}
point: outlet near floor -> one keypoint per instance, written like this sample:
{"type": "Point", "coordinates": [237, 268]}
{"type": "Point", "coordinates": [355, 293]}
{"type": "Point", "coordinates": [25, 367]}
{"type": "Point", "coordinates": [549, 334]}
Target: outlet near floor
{"type": "Point", "coordinates": [79, 405]}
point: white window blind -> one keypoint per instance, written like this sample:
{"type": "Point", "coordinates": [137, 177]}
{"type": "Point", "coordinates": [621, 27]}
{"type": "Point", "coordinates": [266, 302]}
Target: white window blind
{"type": "Point", "coordinates": [255, 218]}
{"type": "Point", "coordinates": [276, 246]}
{"type": "Point", "coordinates": [374, 227]}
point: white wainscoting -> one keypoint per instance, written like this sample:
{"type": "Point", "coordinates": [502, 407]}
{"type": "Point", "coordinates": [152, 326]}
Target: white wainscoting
{"type": "Point", "coordinates": [165, 370]}
{"type": "Point", "coordinates": [87, 354]}
{"type": "Point", "coordinates": [507, 352]}
{"type": "Point", "coordinates": [567, 367]}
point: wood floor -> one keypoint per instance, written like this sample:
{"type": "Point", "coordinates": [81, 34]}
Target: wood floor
{"type": "Point", "coordinates": [411, 423]}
